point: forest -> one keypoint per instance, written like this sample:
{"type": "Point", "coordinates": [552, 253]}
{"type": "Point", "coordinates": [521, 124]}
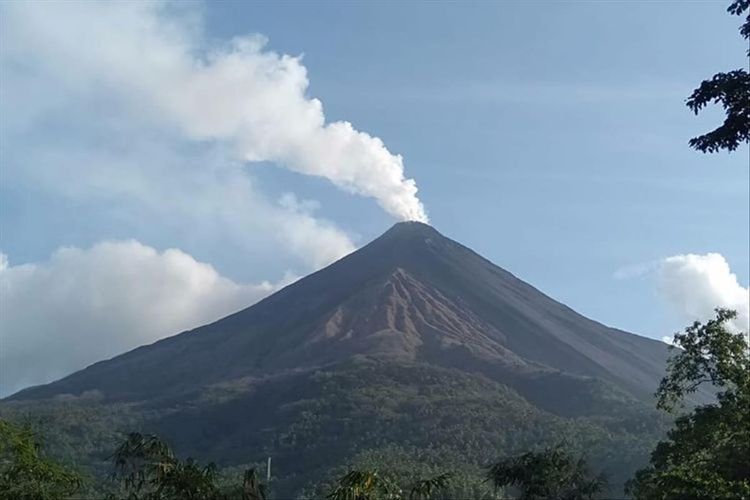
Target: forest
{"type": "Point", "coordinates": [703, 454]}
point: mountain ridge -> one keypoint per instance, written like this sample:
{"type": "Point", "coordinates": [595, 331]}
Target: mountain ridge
{"type": "Point", "coordinates": [414, 350]}
{"type": "Point", "coordinates": [411, 294]}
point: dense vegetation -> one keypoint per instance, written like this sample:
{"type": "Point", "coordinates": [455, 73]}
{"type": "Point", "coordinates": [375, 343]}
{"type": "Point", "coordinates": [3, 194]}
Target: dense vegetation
{"type": "Point", "coordinates": [26, 474]}
{"type": "Point", "coordinates": [404, 420]}
{"type": "Point", "coordinates": [552, 473]}
{"type": "Point", "coordinates": [368, 430]}
{"type": "Point", "coordinates": [707, 453]}
{"type": "Point", "coordinates": [144, 467]}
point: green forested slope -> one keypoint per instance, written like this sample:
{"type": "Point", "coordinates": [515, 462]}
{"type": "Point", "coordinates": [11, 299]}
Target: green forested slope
{"type": "Point", "coordinates": [403, 418]}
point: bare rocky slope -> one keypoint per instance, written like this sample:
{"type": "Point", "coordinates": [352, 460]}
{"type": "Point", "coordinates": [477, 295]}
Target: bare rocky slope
{"type": "Point", "coordinates": [410, 295]}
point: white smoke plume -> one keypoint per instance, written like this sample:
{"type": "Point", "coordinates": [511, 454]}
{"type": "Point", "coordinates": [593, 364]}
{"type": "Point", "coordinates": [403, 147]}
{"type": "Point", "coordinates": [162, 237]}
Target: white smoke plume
{"type": "Point", "coordinates": [241, 94]}
{"type": "Point", "coordinates": [85, 305]}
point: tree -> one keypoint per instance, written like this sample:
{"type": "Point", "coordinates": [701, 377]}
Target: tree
{"type": "Point", "coordinates": [364, 485]}
{"type": "Point", "coordinates": [370, 485]}
{"type": "Point", "coordinates": [706, 353]}
{"type": "Point", "coordinates": [252, 487]}
{"type": "Point", "coordinates": [25, 474]}
{"type": "Point", "coordinates": [425, 489]}
{"type": "Point", "coordinates": [147, 469]}
{"type": "Point", "coordinates": [550, 474]}
{"type": "Point", "coordinates": [707, 453]}
{"type": "Point", "coordinates": [732, 91]}
{"type": "Point", "coordinates": [141, 464]}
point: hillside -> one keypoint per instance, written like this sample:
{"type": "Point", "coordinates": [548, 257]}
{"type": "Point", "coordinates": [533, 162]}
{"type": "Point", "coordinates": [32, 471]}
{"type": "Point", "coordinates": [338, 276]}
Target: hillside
{"type": "Point", "coordinates": [413, 346]}
{"type": "Point", "coordinates": [411, 294]}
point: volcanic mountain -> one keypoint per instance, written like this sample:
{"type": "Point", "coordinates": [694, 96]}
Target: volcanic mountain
{"type": "Point", "coordinates": [412, 350]}
{"type": "Point", "coordinates": [410, 295]}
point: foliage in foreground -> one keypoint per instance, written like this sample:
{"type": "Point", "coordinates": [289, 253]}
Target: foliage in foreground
{"type": "Point", "coordinates": [146, 468]}
{"type": "Point", "coordinates": [732, 91]}
{"type": "Point", "coordinates": [406, 421]}
{"type": "Point", "coordinates": [370, 485]}
{"type": "Point", "coordinates": [550, 474]}
{"type": "Point", "coordinates": [408, 468]}
{"type": "Point", "coordinates": [553, 473]}
{"type": "Point", "coordinates": [707, 453]}
{"type": "Point", "coordinates": [25, 473]}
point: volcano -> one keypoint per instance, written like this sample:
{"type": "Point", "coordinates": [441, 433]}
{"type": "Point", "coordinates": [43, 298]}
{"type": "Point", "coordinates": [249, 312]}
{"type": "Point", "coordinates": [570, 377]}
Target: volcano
{"type": "Point", "coordinates": [413, 349]}
{"type": "Point", "coordinates": [410, 295]}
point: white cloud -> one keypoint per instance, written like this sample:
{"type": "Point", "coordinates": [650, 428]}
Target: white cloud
{"type": "Point", "coordinates": [694, 285]}
{"type": "Point", "coordinates": [156, 186]}
{"type": "Point", "coordinates": [153, 57]}
{"type": "Point", "coordinates": [668, 339]}
{"type": "Point", "coordinates": [85, 305]}
{"type": "Point", "coordinates": [127, 109]}
{"type": "Point", "coordinates": [635, 270]}
{"type": "Point", "coordinates": [94, 122]}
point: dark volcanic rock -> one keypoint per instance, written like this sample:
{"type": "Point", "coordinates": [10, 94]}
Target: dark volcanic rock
{"type": "Point", "coordinates": [412, 295]}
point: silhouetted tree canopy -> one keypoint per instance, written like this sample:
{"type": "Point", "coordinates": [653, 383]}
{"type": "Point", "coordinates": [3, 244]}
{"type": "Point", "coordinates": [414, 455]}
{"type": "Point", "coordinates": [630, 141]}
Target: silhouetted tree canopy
{"type": "Point", "coordinates": [147, 469]}
{"type": "Point", "coordinates": [707, 453]}
{"type": "Point", "coordinates": [372, 485]}
{"type": "Point", "coordinates": [252, 487]}
{"type": "Point", "coordinates": [424, 489]}
{"type": "Point", "coordinates": [550, 474]}
{"type": "Point", "coordinates": [732, 91]}
{"type": "Point", "coordinates": [364, 485]}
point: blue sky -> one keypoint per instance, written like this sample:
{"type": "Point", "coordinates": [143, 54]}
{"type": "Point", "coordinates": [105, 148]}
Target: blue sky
{"type": "Point", "coordinates": [551, 137]}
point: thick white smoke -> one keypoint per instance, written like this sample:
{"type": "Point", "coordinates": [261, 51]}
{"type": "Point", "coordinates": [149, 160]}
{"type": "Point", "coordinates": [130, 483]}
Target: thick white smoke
{"type": "Point", "coordinates": [85, 305]}
{"type": "Point", "coordinates": [241, 94]}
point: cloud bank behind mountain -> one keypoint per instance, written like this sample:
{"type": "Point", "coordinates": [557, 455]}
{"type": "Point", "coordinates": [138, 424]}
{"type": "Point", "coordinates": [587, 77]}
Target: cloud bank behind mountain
{"type": "Point", "coordinates": [85, 305]}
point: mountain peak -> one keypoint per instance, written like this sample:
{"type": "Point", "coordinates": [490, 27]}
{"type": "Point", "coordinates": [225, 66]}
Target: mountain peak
{"type": "Point", "coordinates": [409, 233]}
{"type": "Point", "coordinates": [412, 224]}
{"type": "Point", "coordinates": [404, 244]}
{"type": "Point", "coordinates": [411, 227]}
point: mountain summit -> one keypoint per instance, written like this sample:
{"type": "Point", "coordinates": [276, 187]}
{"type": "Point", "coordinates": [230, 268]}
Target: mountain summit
{"type": "Point", "coordinates": [413, 296]}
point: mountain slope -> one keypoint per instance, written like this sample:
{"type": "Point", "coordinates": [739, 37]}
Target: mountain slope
{"type": "Point", "coordinates": [391, 415]}
{"type": "Point", "coordinates": [413, 351]}
{"type": "Point", "coordinates": [411, 294]}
